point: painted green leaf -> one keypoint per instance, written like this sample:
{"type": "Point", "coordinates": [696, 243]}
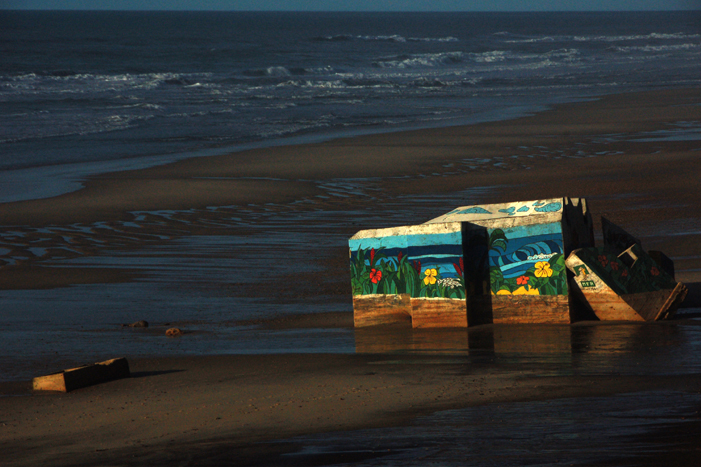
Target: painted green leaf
{"type": "Point", "coordinates": [360, 257]}
{"type": "Point", "coordinates": [498, 240]}
{"type": "Point", "coordinates": [423, 292]}
{"type": "Point", "coordinates": [557, 263]}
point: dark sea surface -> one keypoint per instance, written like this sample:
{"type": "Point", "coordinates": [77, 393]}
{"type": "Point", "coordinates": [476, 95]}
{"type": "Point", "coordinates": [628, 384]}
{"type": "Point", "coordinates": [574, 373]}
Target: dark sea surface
{"type": "Point", "coordinates": [86, 92]}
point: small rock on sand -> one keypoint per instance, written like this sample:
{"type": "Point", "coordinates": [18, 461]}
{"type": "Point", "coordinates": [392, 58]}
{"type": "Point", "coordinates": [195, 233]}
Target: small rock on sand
{"type": "Point", "coordinates": [138, 324]}
{"type": "Point", "coordinates": [173, 332]}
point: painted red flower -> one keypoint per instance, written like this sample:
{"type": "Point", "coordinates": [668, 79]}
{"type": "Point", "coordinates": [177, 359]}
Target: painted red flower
{"type": "Point", "coordinates": [614, 265]}
{"type": "Point", "coordinates": [523, 280]}
{"type": "Point", "coordinates": [400, 255]}
{"type": "Point", "coordinates": [375, 276]}
{"type": "Point", "coordinates": [417, 265]}
{"type": "Point", "coordinates": [624, 273]}
{"type": "Point", "coordinates": [459, 268]}
{"type": "Point", "coordinates": [603, 260]}
{"type": "Point", "coordinates": [372, 255]}
{"type": "Point", "coordinates": [654, 271]}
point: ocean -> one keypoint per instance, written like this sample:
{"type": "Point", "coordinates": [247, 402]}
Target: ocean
{"type": "Point", "coordinates": [88, 92]}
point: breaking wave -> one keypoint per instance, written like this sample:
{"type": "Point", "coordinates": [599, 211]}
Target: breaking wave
{"type": "Point", "coordinates": [654, 35]}
{"type": "Point", "coordinates": [83, 83]}
{"type": "Point", "coordinates": [624, 38]}
{"type": "Point", "coordinates": [433, 60]}
{"type": "Point", "coordinates": [422, 60]}
{"type": "Point", "coordinates": [387, 38]}
{"type": "Point", "coordinates": [243, 85]}
{"type": "Point", "coordinates": [657, 48]}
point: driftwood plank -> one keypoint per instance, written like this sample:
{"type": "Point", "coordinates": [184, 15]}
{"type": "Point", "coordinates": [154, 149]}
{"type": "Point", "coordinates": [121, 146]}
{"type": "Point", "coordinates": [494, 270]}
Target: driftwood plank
{"type": "Point", "coordinates": [88, 375]}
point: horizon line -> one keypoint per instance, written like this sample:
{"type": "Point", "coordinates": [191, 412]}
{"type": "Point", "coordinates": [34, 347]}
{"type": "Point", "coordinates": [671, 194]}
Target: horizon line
{"type": "Point", "coordinates": [349, 11]}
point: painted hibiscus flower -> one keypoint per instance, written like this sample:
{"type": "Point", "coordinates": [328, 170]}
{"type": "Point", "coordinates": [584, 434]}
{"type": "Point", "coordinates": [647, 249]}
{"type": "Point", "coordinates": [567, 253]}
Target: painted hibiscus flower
{"type": "Point", "coordinates": [375, 276]}
{"type": "Point", "coordinates": [430, 278]}
{"type": "Point", "coordinates": [523, 280]}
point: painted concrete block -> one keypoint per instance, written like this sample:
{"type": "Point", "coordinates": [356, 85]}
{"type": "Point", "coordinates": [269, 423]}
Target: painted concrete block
{"type": "Point", "coordinates": [628, 286]}
{"type": "Point", "coordinates": [395, 271]}
{"type": "Point", "coordinates": [474, 265]}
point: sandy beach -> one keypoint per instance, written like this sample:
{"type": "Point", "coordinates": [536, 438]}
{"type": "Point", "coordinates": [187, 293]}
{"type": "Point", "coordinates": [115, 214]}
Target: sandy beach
{"type": "Point", "coordinates": [631, 155]}
{"type": "Point", "coordinates": [217, 411]}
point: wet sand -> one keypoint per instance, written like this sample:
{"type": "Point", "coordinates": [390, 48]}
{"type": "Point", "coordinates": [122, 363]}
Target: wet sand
{"type": "Point", "coordinates": [612, 151]}
{"type": "Point", "coordinates": [221, 410]}
{"type": "Point", "coordinates": [627, 154]}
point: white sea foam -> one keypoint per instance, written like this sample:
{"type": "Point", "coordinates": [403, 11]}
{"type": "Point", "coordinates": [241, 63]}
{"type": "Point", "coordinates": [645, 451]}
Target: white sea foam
{"type": "Point", "coordinates": [431, 82]}
{"type": "Point", "coordinates": [434, 60]}
{"type": "Point", "coordinates": [636, 37]}
{"type": "Point", "coordinates": [277, 71]}
{"type": "Point", "coordinates": [392, 38]}
{"type": "Point", "coordinates": [533, 40]}
{"type": "Point", "coordinates": [320, 84]}
{"type": "Point", "coordinates": [422, 60]}
{"type": "Point", "coordinates": [386, 38]}
{"type": "Point", "coordinates": [88, 82]}
{"type": "Point", "coordinates": [490, 57]}
{"type": "Point", "coordinates": [657, 48]}
{"type": "Point", "coordinates": [602, 38]}
{"type": "Point", "coordinates": [434, 39]}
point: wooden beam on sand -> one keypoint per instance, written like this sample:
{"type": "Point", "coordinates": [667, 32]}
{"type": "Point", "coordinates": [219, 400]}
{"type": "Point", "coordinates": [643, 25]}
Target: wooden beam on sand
{"type": "Point", "coordinates": [80, 377]}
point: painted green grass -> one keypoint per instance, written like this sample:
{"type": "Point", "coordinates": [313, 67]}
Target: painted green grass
{"type": "Point", "coordinates": [372, 272]}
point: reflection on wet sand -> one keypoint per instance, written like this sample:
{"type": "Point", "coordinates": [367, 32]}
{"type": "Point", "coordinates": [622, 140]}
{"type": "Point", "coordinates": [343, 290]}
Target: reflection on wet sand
{"type": "Point", "coordinates": [516, 338]}
{"type": "Point", "coordinates": [648, 348]}
{"type": "Point", "coordinates": [643, 429]}
{"type": "Point", "coordinates": [657, 427]}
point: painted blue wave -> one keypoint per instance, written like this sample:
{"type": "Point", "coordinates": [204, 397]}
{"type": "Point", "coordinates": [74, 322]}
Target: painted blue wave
{"type": "Point", "coordinates": [515, 263]}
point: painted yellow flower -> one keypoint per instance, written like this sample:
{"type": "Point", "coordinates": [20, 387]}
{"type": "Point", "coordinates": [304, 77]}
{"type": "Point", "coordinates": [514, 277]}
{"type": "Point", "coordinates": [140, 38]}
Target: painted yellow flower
{"type": "Point", "coordinates": [542, 269]}
{"type": "Point", "coordinates": [527, 291]}
{"type": "Point", "coordinates": [524, 290]}
{"type": "Point", "coordinates": [430, 276]}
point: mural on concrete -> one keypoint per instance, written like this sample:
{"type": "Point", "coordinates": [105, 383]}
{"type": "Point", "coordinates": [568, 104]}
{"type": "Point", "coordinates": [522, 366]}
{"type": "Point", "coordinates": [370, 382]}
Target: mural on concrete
{"type": "Point", "coordinates": [522, 260]}
{"type": "Point", "coordinates": [429, 266]}
{"type": "Point", "coordinates": [642, 275]}
{"type": "Point", "coordinates": [516, 209]}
